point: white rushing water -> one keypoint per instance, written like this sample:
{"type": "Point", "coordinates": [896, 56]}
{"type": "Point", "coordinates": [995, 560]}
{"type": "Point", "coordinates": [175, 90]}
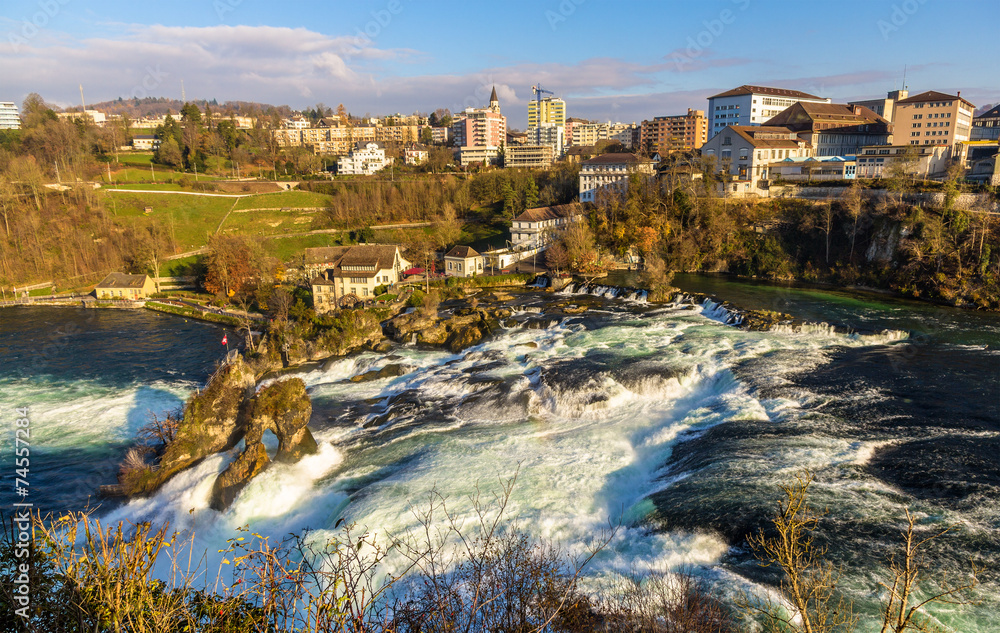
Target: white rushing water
{"type": "Point", "coordinates": [586, 417]}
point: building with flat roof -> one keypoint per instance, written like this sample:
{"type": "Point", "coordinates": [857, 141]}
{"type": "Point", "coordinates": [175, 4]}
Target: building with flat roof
{"type": "Point", "coordinates": [528, 156]}
{"type": "Point", "coordinates": [752, 105]}
{"type": "Point", "coordinates": [933, 118]}
{"type": "Point", "coordinates": [674, 133]}
{"type": "Point", "coordinates": [930, 159]}
{"type": "Point", "coordinates": [9, 118]}
{"type": "Point", "coordinates": [547, 111]}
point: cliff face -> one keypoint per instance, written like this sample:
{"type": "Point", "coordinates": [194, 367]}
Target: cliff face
{"type": "Point", "coordinates": [464, 329]}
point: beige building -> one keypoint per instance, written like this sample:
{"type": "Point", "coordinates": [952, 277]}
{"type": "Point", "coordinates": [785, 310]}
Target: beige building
{"type": "Point", "coordinates": [123, 286]}
{"type": "Point", "coordinates": [932, 118]}
{"type": "Point", "coordinates": [463, 261]}
{"type": "Point", "coordinates": [356, 274]}
{"type": "Point", "coordinates": [930, 159]}
{"type": "Point", "coordinates": [885, 108]}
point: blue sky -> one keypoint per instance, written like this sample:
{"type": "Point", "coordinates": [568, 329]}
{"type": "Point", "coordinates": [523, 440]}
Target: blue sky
{"type": "Point", "coordinates": [609, 59]}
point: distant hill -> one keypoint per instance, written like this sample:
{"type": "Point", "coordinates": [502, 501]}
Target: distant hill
{"type": "Point", "coordinates": [984, 109]}
{"type": "Point", "coordinates": [156, 106]}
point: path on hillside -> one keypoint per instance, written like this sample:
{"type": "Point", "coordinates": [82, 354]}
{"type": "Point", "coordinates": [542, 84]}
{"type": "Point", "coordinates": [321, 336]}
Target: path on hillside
{"type": "Point", "coordinates": [186, 193]}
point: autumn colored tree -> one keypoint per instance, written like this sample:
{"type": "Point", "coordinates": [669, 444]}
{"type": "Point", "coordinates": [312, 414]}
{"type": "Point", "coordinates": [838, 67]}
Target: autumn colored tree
{"type": "Point", "coordinates": [233, 265]}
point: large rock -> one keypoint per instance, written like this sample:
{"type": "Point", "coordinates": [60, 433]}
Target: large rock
{"type": "Point", "coordinates": [248, 465]}
{"type": "Point", "coordinates": [211, 424]}
{"type": "Point", "coordinates": [284, 409]}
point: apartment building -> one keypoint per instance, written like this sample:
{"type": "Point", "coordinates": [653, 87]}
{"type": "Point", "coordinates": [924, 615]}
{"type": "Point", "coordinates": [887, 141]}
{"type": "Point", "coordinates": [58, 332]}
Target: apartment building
{"type": "Point", "coordinates": [479, 133]}
{"type": "Point", "coordinates": [673, 133]}
{"type": "Point", "coordinates": [933, 118]}
{"type": "Point", "coordinates": [9, 118]}
{"type": "Point", "coordinates": [547, 111]}
{"type": "Point", "coordinates": [553, 136]}
{"type": "Point", "coordinates": [528, 156]}
{"type": "Point", "coordinates": [745, 152]}
{"type": "Point", "coordinates": [752, 105]}
{"type": "Point", "coordinates": [611, 172]}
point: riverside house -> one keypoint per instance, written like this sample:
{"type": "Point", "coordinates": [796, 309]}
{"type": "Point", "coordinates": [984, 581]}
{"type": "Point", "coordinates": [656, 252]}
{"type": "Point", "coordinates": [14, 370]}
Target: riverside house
{"type": "Point", "coordinates": [356, 274]}
{"type": "Point", "coordinates": [463, 261]}
{"type": "Point", "coordinates": [123, 286]}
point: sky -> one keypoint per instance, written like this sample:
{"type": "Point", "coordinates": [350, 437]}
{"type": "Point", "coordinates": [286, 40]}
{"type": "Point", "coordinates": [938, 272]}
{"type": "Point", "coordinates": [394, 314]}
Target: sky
{"type": "Point", "coordinates": [616, 60]}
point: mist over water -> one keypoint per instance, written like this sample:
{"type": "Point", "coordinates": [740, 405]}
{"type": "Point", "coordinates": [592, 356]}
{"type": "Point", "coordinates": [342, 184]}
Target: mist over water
{"type": "Point", "coordinates": [661, 418]}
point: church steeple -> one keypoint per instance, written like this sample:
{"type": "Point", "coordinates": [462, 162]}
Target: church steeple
{"type": "Point", "coordinates": [494, 102]}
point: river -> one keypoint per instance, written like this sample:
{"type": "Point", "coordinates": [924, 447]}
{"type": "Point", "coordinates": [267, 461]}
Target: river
{"type": "Point", "coordinates": [662, 418]}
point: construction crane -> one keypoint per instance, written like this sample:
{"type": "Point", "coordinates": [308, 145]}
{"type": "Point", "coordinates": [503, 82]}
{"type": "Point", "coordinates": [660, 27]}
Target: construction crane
{"type": "Point", "coordinates": [537, 91]}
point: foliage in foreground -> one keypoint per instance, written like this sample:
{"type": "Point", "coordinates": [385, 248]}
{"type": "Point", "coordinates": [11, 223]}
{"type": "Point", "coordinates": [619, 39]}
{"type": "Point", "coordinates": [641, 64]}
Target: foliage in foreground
{"type": "Point", "coordinates": [89, 577]}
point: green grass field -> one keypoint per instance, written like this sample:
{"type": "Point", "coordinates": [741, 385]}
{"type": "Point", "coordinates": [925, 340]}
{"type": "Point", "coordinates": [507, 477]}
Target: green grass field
{"type": "Point", "coordinates": [268, 222]}
{"type": "Point", "coordinates": [190, 219]}
{"type": "Point", "coordinates": [288, 249]}
{"type": "Point", "coordinates": [281, 199]}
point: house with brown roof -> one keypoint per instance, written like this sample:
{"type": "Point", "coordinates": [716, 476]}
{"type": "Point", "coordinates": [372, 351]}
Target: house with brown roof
{"type": "Point", "coordinates": [745, 151]}
{"type": "Point", "coordinates": [834, 129]}
{"type": "Point", "coordinates": [125, 287]}
{"type": "Point", "coordinates": [611, 172]}
{"type": "Point", "coordinates": [752, 105]}
{"type": "Point", "coordinates": [356, 274]}
{"type": "Point", "coordinates": [537, 227]}
{"type": "Point", "coordinates": [463, 261]}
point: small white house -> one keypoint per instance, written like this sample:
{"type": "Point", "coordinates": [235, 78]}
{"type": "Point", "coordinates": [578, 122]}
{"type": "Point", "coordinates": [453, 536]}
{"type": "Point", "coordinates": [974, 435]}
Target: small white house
{"type": "Point", "coordinates": [463, 261]}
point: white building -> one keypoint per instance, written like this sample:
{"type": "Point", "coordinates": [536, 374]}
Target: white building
{"type": "Point", "coordinates": [9, 119]}
{"type": "Point", "coordinates": [439, 135]}
{"type": "Point", "coordinates": [296, 123]}
{"type": "Point", "coordinates": [145, 142]}
{"type": "Point", "coordinates": [752, 105]}
{"type": "Point", "coordinates": [612, 171]}
{"type": "Point", "coordinates": [553, 136]}
{"type": "Point", "coordinates": [95, 116]}
{"type": "Point", "coordinates": [745, 152]}
{"type": "Point", "coordinates": [537, 227]}
{"type": "Point", "coordinates": [364, 160]}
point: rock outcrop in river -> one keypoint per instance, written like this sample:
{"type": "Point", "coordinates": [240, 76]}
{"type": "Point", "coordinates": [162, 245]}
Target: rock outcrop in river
{"type": "Point", "coordinates": [282, 408]}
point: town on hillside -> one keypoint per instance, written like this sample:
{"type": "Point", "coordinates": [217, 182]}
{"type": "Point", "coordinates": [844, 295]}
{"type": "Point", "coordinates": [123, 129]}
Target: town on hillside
{"type": "Point", "coordinates": [747, 143]}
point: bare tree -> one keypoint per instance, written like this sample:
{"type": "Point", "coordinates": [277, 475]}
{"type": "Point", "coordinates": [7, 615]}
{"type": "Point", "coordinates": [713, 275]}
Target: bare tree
{"type": "Point", "coordinates": [810, 581]}
{"type": "Point", "coordinates": [901, 611]}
